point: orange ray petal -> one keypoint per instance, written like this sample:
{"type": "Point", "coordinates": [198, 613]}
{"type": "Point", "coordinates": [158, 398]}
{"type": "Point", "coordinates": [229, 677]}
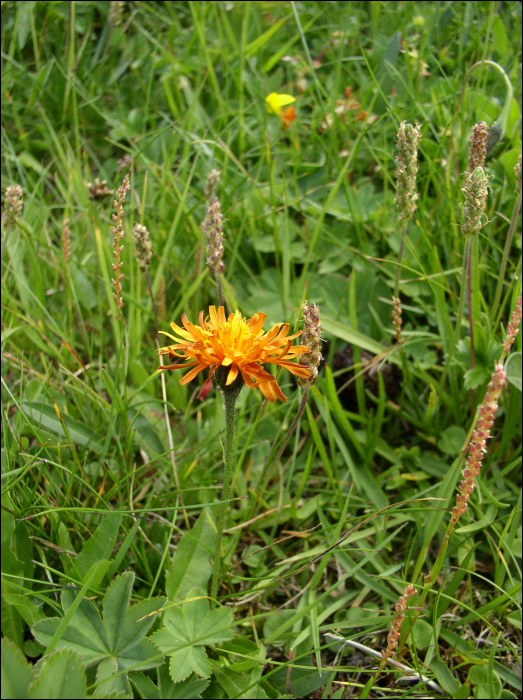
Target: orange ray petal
{"type": "Point", "coordinates": [202, 321]}
{"type": "Point", "coordinates": [294, 368]}
{"type": "Point", "coordinates": [257, 321]}
{"type": "Point", "coordinates": [267, 391]}
{"type": "Point", "coordinates": [283, 332]}
{"type": "Point", "coordinates": [272, 391]}
{"type": "Point", "coordinates": [192, 374]}
{"type": "Point", "coordinates": [257, 372]}
{"type": "Point", "coordinates": [272, 333]}
{"type": "Point", "coordinates": [213, 317]}
{"type": "Point", "coordinates": [191, 364]}
{"type": "Point", "coordinates": [233, 373]}
{"type": "Point", "coordinates": [248, 381]}
{"type": "Point", "coordinates": [194, 330]}
{"type": "Point", "coordinates": [169, 336]}
{"type": "Point", "coordinates": [284, 351]}
{"type": "Point", "coordinates": [181, 332]}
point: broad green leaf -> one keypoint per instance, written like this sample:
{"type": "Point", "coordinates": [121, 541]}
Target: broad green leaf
{"type": "Point", "coordinates": [30, 612]}
{"type": "Point", "coordinates": [100, 545]}
{"type": "Point", "coordinates": [256, 45]}
{"type": "Point", "coordinates": [513, 368]}
{"type": "Point", "coordinates": [423, 634]}
{"type": "Point", "coordinates": [119, 638]}
{"type": "Point", "coordinates": [476, 656]}
{"type": "Point", "coordinates": [191, 567]}
{"type": "Point", "coordinates": [145, 687]}
{"type": "Point", "coordinates": [116, 602]}
{"type": "Point", "coordinates": [354, 337]}
{"type": "Point", "coordinates": [499, 36]}
{"type": "Point", "coordinates": [60, 675]}
{"type": "Point", "coordinates": [187, 630]}
{"type": "Point", "coordinates": [234, 684]}
{"type": "Point", "coordinates": [303, 681]}
{"type": "Point", "coordinates": [16, 672]}
{"type": "Point", "coordinates": [481, 676]}
{"type": "Point", "coordinates": [107, 679]}
{"type": "Point", "coordinates": [444, 676]}
{"type": "Point", "coordinates": [238, 649]}
{"type": "Point", "coordinates": [84, 289]}
{"type": "Point", "coordinates": [57, 675]}
{"type": "Point", "coordinates": [12, 624]}
{"type": "Point", "coordinates": [273, 622]}
{"type": "Point", "coordinates": [99, 568]}
{"type": "Point", "coordinates": [185, 660]}
{"type": "Point", "coordinates": [188, 689]}
{"type": "Point", "coordinates": [452, 440]}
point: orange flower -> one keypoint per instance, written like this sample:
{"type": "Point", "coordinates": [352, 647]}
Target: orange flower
{"type": "Point", "coordinates": [288, 116]}
{"type": "Point", "coordinates": [238, 344]}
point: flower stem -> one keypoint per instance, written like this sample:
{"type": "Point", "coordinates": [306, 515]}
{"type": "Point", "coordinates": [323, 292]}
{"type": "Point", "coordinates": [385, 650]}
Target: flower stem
{"type": "Point", "coordinates": [400, 258]}
{"type": "Point", "coordinates": [508, 242]}
{"type": "Point", "coordinates": [219, 288]}
{"type": "Point", "coordinates": [229, 400]}
{"type": "Point", "coordinates": [471, 322]}
{"type": "Point", "coordinates": [459, 319]}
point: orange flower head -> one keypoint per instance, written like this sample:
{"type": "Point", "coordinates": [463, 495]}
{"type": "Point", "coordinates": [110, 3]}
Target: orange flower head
{"type": "Point", "coordinates": [288, 116]}
{"type": "Point", "coordinates": [234, 346]}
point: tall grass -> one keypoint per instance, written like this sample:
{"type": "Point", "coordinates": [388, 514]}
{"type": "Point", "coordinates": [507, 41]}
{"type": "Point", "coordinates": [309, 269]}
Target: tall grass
{"type": "Point", "coordinates": [323, 540]}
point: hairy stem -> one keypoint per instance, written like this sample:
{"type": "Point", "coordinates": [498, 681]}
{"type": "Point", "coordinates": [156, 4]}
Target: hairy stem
{"type": "Point", "coordinates": [229, 400]}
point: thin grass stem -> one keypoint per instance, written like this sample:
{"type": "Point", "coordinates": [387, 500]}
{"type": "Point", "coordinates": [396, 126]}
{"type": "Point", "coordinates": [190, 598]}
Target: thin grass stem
{"type": "Point", "coordinates": [504, 260]}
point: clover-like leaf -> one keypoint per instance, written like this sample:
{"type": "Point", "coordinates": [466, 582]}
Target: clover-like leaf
{"type": "Point", "coordinates": [118, 641]}
{"type": "Point", "coordinates": [187, 631]}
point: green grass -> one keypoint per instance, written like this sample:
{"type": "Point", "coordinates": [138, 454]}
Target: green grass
{"type": "Point", "coordinates": [87, 472]}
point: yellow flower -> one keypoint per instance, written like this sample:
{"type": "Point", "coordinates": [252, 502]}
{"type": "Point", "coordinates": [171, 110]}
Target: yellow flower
{"type": "Point", "coordinates": [238, 344]}
{"type": "Point", "coordinates": [275, 102]}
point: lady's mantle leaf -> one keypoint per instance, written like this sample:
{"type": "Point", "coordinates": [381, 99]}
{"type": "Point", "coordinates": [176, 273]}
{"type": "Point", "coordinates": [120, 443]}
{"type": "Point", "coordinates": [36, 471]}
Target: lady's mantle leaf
{"type": "Point", "coordinates": [119, 638]}
{"type": "Point", "coordinates": [187, 630]}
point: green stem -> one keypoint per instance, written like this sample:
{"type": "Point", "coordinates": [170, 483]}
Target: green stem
{"type": "Point", "coordinates": [457, 329]}
{"type": "Point", "coordinates": [229, 400]}
{"type": "Point", "coordinates": [400, 258]}
{"type": "Point", "coordinates": [506, 251]}
{"type": "Point", "coordinates": [471, 322]}
{"type": "Point", "coordinates": [219, 288]}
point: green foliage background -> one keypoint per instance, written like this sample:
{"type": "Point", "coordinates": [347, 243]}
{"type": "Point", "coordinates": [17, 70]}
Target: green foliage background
{"type": "Point", "coordinates": [88, 489]}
